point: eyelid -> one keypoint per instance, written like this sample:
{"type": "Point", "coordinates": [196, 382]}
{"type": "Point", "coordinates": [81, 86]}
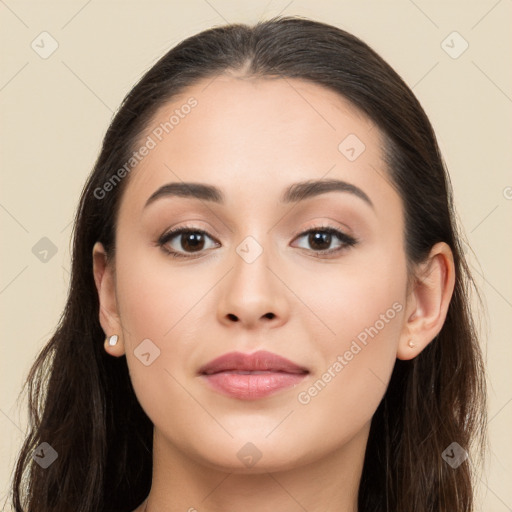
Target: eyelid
{"type": "Point", "coordinates": [326, 223]}
{"type": "Point", "coordinates": [174, 232]}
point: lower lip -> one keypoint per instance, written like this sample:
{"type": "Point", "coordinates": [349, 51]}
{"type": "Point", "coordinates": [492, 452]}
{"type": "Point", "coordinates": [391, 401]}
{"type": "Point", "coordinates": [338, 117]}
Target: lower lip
{"type": "Point", "coordinates": [254, 385]}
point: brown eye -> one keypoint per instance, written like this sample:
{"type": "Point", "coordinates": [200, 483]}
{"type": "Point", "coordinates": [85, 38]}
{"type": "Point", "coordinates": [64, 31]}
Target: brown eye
{"type": "Point", "coordinates": [183, 241]}
{"type": "Point", "coordinates": [320, 239]}
{"type": "Point", "coordinates": [192, 241]}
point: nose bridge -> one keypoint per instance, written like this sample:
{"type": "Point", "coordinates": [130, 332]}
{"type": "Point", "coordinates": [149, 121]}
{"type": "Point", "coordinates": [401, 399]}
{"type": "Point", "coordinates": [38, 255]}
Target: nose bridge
{"type": "Point", "coordinates": [252, 292]}
{"type": "Point", "coordinates": [251, 276]}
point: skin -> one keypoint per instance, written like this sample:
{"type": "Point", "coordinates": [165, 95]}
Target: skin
{"type": "Point", "coordinates": [252, 138]}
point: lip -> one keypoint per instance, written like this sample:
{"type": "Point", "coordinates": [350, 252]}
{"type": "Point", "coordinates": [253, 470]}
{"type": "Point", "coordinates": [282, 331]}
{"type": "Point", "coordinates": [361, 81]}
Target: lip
{"type": "Point", "coordinates": [251, 376]}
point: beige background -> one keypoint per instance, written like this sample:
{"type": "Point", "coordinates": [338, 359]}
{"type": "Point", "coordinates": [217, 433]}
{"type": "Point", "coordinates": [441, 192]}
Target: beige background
{"type": "Point", "coordinates": [56, 110]}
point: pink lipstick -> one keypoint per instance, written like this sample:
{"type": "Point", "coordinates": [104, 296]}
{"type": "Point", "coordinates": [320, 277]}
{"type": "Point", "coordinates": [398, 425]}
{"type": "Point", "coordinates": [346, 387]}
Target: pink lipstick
{"type": "Point", "coordinates": [251, 376]}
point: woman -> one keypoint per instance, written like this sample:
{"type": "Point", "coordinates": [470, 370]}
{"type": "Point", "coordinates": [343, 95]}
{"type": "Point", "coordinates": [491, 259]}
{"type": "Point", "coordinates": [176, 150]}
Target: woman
{"type": "Point", "coordinates": [268, 237]}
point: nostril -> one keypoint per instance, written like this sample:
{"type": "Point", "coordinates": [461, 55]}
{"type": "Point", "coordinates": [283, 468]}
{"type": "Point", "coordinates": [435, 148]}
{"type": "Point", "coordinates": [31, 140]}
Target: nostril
{"type": "Point", "coordinates": [270, 315]}
{"type": "Point", "coordinates": [232, 317]}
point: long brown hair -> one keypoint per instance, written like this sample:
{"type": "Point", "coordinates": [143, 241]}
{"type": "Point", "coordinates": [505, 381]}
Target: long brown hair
{"type": "Point", "coordinates": [81, 400]}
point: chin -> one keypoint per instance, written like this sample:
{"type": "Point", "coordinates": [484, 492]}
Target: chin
{"type": "Point", "coordinates": [252, 462]}
{"type": "Point", "coordinates": [255, 454]}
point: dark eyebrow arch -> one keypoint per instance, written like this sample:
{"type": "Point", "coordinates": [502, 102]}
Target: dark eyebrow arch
{"type": "Point", "coordinates": [307, 189]}
{"type": "Point", "coordinates": [192, 190]}
{"type": "Point", "coordinates": [293, 194]}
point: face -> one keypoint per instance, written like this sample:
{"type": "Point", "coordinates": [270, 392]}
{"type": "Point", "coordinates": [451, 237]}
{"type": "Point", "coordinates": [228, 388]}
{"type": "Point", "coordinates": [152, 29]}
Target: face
{"type": "Point", "coordinates": [315, 275]}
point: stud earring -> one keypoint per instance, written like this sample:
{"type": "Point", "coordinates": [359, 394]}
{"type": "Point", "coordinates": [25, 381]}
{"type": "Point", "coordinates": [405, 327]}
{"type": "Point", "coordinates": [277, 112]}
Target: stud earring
{"type": "Point", "coordinates": [113, 340]}
{"type": "Point", "coordinates": [411, 344]}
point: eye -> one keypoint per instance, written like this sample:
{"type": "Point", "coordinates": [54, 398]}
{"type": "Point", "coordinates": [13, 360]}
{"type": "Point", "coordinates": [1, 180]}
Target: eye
{"type": "Point", "coordinates": [321, 238]}
{"type": "Point", "coordinates": [183, 242]}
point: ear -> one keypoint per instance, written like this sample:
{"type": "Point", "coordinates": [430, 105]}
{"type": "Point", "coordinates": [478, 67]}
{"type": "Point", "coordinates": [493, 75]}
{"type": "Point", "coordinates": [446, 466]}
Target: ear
{"type": "Point", "coordinates": [428, 301]}
{"type": "Point", "coordinates": [103, 270]}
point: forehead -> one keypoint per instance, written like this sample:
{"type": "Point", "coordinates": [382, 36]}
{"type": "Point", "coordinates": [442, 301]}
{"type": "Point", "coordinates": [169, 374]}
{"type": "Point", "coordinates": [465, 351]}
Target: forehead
{"type": "Point", "coordinates": [257, 136]}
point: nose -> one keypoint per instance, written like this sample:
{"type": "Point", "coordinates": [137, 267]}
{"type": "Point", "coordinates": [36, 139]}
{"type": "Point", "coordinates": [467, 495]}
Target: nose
{"type": "Point", "coordinates": [252, 295]}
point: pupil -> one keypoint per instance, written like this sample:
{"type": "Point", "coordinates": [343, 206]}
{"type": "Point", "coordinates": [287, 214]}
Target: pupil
{"type": "Point", "coordinates": [193, 241]}
{"type": "Point", "coordinates": [319, 238]}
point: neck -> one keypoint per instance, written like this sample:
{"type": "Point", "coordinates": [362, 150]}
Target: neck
{"type": "Point", "coordinates": [181, 483]}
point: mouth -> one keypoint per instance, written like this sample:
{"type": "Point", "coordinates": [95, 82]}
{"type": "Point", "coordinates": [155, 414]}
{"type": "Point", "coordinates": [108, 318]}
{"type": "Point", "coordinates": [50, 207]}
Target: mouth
{"type": "Point", "coordinates": [251, 376]}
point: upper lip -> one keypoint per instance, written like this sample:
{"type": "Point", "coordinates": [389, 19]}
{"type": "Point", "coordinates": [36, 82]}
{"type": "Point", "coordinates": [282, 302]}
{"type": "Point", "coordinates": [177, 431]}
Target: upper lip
{"type": "Point", "coordinates": [257, 361]}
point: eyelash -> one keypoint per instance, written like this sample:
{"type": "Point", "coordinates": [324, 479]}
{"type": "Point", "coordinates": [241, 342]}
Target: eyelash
{"type": "Point", "coordinates": [347, 241]}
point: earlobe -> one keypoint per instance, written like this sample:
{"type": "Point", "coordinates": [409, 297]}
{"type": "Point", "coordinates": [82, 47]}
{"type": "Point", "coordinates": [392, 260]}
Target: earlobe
{"type": "Point", "coordinates": [428, 302]}
{"type": "Point", "coordinates": [105, 285]}
{"type": "Point", "coordinates": [113, 346]}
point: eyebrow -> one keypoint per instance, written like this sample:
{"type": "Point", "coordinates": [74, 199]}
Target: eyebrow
{"type": "Point", "coordinates": [293, 194]}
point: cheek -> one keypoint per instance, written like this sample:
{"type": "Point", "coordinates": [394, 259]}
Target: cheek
{"type": "Point", "coordinates": [155, 303]}
{"type": "Point", "coordinates": [154, 296]}
{"type": "Point", "coordinates": [345, 300]}
{"type": "Point", "coordinates": [364, 313]}
{"type": "Point", "coordinates": [345, 391]}
{"type": "Point", "coordinates": [157, 308]}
